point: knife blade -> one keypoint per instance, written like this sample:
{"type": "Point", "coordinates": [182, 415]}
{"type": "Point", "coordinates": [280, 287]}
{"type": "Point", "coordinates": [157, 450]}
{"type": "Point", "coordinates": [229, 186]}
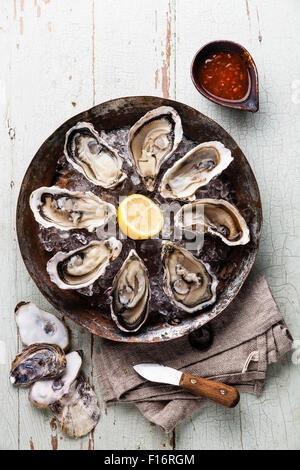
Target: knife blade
{"type": "Point", "coordinates": [218, 392]}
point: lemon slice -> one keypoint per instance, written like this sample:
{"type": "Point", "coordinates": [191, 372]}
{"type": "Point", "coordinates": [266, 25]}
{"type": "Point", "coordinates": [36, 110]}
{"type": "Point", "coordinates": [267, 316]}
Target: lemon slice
{"type": "Point", "coordinates": [139, 217]}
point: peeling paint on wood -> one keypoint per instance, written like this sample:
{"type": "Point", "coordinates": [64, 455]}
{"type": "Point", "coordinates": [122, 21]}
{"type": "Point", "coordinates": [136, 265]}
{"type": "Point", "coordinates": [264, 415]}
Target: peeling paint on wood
{"type": "Point", "coordinates": [90, 60]}
{"type": "Point", "coordinates": [54, 442]}
{"type": "Point", "coordinates": [259, 33]}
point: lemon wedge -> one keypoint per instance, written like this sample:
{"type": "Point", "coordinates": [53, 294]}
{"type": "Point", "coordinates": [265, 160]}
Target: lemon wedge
{"type": "Point", "coordinates": [139, 217]}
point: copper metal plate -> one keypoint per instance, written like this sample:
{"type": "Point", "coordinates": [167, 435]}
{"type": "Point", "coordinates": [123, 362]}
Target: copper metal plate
{"type": "Point", "coordinates": [41, 172]}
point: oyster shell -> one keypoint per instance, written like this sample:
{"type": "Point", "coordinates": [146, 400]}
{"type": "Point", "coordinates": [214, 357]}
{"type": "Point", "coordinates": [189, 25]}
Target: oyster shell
{"type": "Point", "coordinates": [78, 411]}
{"type": "Point", "coordinates": [37, 362]}
{"type": "Point", "coordinates": [45, 392]}
{"type": "Point", "coordinates": [81, 267]}
{"type": "Point", "coordinates": [152, 140]}
{"type": "Point", "coordinates": [188, 282]}
{"type": "Point", "coordinates": [67, 210]}
{"type": "Point", "coordinates": [131, 294]}
{"type": "Point", "coordinates": [197, 168]}
{"type": "Point", "coordinates": [215, 216]}
{"type": "Point", "coordinates": [37, 326]}
{"type": "Point", "coordinates": [93, 157]}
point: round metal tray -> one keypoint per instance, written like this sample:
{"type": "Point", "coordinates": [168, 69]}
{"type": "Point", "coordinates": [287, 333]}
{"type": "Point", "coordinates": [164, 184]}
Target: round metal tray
{"type": "Point", "coordinates": [41, 172]}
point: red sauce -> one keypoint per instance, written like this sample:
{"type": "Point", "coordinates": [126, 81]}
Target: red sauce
{"type": "Point", "coordinates": [225, 74]}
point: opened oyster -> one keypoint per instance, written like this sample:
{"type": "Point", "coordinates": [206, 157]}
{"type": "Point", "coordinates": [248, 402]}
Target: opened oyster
{"type": "Point", "coordinates": [131, 294]}
{"type": "Point", "coordinates": [80, 268]}
{"type": "Point", "coordinates": [215, 216]}
{"type": "Point", "coordinates": [67, 210]}
{"type": "Point", "coordinates": [46, 392]}
{"type": "Point", "coordinates": [188, 282]}
{"type": "Point", "coordinates": [197, 168]}
{"type": "Point", "coordinates": [152, 140]}
{"type": "Point", "coordinates": [78, 411]}
{"type": "Point", "coordinates": [36, 362]}
{"type": "Point", "coordinates": [37, 326]}
{"type": "Point", "coordinates": [93, 157]}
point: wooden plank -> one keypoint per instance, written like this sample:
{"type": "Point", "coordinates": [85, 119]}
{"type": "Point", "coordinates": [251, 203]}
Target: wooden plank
{"type": "Point", "coordinates": [49, 80]}
{"type": "Point", "coordinates": [60, 58]}
{"type": "Point", "coordinates": [269, 142]}
{"type": "Point", "coordinates": [8, 340]}
{"type": "Point", "coordinates": [132, 56]}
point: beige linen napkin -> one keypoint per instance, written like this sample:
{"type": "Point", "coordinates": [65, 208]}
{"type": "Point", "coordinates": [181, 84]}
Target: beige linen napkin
{"type": "Point", "coordinates": [248, 335]}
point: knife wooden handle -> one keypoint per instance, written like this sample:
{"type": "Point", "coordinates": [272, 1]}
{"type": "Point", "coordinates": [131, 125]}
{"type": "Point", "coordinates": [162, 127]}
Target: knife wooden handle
{"type": "Point", "coordinates": [220, 393]}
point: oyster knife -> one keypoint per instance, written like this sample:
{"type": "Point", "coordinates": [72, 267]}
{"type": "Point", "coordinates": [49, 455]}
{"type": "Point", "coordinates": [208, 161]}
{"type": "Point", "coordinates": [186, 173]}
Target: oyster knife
{"type": "Point", "coordinates": [220, 393]}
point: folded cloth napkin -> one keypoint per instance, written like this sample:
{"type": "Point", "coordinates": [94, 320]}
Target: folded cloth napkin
{"type": "Point", "coordinates": [248, 335]}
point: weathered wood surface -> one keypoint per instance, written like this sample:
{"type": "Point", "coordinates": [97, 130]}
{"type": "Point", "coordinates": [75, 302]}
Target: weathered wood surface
{"type": "Point", "coordinates": [59, 57]}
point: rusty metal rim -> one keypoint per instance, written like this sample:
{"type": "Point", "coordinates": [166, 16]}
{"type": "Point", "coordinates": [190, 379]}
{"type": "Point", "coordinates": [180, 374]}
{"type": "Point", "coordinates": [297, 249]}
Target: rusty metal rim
{"type": "Point", "coordinates": [191, 327]}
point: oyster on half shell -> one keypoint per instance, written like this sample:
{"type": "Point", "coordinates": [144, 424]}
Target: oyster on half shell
{"type": "Point", "coordinates": [37, 362]}
{"type": "Point", "coordinates": [37, 326]}
{"type": "Point", "coordinates": [45, 392]}
{"type": "Point", "coordinates": [67, 210]}
{"type": "Point", "coordinates": [152, 140]}
{"type": "Point", "coordinates": [188, 282]}
{"type": "Point", "coordinates": [77, 412]}
{"type": "Point", "coordinates": [93, 157]}
{"type": "Point", "coordinates": [215, 216]}
{"type": "Point", "coordinates": [131, 294]}
{"type": "Point", "coordinates": [81, 267]}
{"type": "Point", "coordinates": [195, 169]}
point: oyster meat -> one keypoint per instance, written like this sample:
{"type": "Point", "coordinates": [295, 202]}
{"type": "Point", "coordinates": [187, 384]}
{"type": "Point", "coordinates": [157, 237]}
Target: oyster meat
{"type": "Point", "coordinates": [215, 216]}
{"type": "Point", "coordinates": [37, 326]}
{"type": "Point", "coordinates": [93, 157]}
{"type": "Point", "coordinates": [131, 294]}
{"type": "Point", "coordinates": [197, 168]}
{"type": "Point", "coordinates": [81, 267]}
{"type": "Point", "coordinates": [188, 282]}
{"type": "Point", "coordinates": [78, 411]}
{"type": "Point", "coordinates": [46, 392]}
{"type": "Point", "coordinates": [67, 210]}
{"type": "Point", "coordinates": [37, 362]}
{"type": "Point", "coordinates": [152, 140]}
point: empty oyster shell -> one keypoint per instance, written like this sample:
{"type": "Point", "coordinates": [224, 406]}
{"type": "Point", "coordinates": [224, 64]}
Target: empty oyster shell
{"type": "Point", "coordinates": [81, 267]}
{"type": "Point", "coordinates": [188, 282]}
{"type": "Point", "coordinates": [37, 326]}
{"type": "Point", "coordinates": [93, 157]}
{"type": "Point", "coordinates": [78, 411]}
{"type": "Point", "coordinates": [131, 294]}
{"type": "Point", "coordinates": [46, 392]}
{"type": "Point", "coordinates": [152, 140]}
{"type": "Point", "coordinates": [197, 168]}
{"type": "Point", "coordinates": [37, 362]}
{"type": "Point", "coordinates": [215, 216]}
{"type": "Point", "coordinates": [67, 210]}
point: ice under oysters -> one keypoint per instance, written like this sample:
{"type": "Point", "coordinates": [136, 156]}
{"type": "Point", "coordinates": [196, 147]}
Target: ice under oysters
{"type": "Point", "coordinates": [152, 140]}
{"type": "Point", "coordinates": [81, 267]}
{"type": "Point", "coordinates": [195, 169]}
{"type": "Point", "coordinates": [188, 282]}
{"type": "Point", "coordinates": [215, 216]}
{"type": "Point", "coordinates": [131, 294]}
{"type": "Point", "coordinates": [93, 157]}
{"type": "Point", "coordinates": [67, 210]}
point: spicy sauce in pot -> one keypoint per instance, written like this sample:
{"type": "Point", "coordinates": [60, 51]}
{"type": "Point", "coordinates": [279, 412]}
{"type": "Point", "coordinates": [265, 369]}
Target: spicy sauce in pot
{"type": "Point", "coordinates": [225, 74]}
